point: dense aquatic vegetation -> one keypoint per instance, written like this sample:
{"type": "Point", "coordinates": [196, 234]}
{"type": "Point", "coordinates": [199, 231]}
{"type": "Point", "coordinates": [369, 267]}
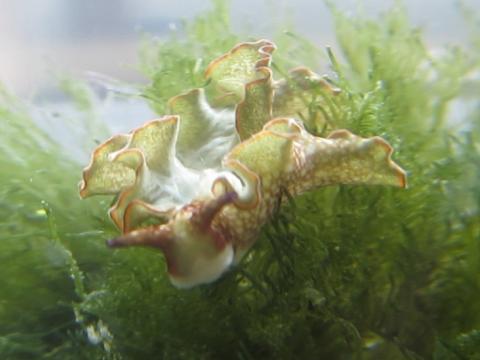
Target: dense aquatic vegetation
{"type": "Point", "coordinates": [344, 272]}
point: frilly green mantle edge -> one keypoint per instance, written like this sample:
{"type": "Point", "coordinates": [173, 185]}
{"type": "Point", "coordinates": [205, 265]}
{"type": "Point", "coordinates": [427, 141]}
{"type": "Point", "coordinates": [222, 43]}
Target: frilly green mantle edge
{"type": "Point", "coordinates": [212, 173]}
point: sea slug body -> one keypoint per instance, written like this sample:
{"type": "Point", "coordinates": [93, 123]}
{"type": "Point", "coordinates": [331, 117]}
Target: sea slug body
{"type": "Point", "coordinates": [211, 174]}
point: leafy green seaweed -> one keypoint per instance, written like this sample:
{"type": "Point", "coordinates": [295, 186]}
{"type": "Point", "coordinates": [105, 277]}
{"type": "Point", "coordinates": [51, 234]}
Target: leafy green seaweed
{"type": "Point", "coordinates": [343, 272]}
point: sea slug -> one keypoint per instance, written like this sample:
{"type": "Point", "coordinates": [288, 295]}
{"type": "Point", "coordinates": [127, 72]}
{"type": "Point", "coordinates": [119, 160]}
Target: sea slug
{"type": "Point", "coordinates": [198, 184]}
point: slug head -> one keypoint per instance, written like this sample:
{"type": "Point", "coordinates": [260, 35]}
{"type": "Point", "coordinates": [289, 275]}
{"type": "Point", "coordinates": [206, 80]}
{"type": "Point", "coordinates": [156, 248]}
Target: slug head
{"type": "Point", "coordinates": [196, 247]}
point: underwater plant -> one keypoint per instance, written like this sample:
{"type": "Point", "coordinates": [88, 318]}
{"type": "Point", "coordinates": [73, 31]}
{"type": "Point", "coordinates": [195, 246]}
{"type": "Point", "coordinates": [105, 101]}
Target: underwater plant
{"type": "Point", "coordinates": [212, 173]}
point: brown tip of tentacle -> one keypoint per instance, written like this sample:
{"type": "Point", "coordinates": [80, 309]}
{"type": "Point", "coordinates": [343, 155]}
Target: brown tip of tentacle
{"type": "Point", "coordinates": [208, 212]}
{"type": "Point", "coordinates": [154, 236]}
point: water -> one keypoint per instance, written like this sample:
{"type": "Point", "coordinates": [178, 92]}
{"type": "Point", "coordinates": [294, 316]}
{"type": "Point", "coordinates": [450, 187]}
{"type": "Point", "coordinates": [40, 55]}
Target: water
{"type": "Point", "coordinates": [343, 271]}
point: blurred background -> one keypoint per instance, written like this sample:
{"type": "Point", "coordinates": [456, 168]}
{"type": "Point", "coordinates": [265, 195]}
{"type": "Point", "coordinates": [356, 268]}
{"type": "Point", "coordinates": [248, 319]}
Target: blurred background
{"type": "Point", "coordinates": [393, 272]}
{"type": "Point", "coordinates": [40, 38]}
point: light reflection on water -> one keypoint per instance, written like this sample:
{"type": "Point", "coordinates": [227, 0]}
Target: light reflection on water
{"type": "Point", "coordinates": [103, 36]}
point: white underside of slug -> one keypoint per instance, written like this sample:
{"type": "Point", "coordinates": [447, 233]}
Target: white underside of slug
{"type": "Point", "coordinates": [204, 271]}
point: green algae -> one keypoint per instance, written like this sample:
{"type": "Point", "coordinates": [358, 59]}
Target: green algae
{"type": "Point", "coordinates": [344, 272]}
